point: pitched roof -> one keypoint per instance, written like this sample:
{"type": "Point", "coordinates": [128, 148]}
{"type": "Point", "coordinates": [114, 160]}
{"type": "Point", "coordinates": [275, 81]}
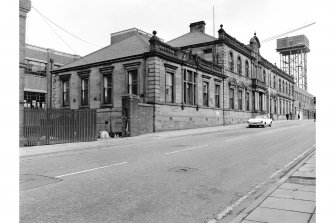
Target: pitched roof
{"type": "Point", "coordinates": [131, 45]}
{"type": "Point", "coordinates": [191, 38]}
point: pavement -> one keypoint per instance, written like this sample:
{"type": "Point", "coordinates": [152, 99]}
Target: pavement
{"type": "Point", "coordinates": [291, 200]}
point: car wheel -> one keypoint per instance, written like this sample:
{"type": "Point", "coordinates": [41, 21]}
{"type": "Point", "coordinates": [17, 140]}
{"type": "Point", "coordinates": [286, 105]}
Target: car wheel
{"type": "Point", "coordinates": [270, 124]}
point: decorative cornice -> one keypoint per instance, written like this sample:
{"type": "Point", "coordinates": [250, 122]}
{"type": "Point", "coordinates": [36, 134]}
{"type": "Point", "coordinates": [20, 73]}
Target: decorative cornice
{"type": "Point", "coordinates": [106, 70]}
{"type": "Point", "coordinates": [83, 73]}
{"type": "Point", "coordinates": [206, 76]}
{"type": "Point", "coordinates": [132, 66]}
{"type": "Point", "coordinates": [170, 66]}
{"type": "Point", "coordinates": [65, 77]}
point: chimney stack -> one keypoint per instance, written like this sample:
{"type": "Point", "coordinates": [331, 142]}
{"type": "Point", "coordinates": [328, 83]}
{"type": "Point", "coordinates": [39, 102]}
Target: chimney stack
{"type": "Point", "coordinates": [198, 27]}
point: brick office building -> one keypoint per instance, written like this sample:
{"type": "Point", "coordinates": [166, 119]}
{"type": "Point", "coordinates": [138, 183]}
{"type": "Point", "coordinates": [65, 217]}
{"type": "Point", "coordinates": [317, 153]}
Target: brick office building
{"type": "Point", "coordinates": [169, 88]}
{"type": "Point", "coordinates": [304, 104]}
{"type": "Point", "coordinates": [39, 62]}
{"type": "Point", "coordinates": [254, 85]}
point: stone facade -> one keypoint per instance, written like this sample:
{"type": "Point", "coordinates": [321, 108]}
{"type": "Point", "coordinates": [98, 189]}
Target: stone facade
{"type": "Point", "coordinates": [155, 86]}
{"type": "Point", "coordinates": [249, 76]}
{"type": "Point", "coordinates": [157, 109]}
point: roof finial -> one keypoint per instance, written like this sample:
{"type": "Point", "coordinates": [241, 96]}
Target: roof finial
{"type": "Point", "coordinates": [154, 32]}
{"type": "Point", "coordinates": [221, 26]}
{"type": "Point", "coordinates": [255, 33]}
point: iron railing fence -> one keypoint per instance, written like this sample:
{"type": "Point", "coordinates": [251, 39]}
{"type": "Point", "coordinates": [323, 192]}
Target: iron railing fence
{"type": "Point", "coordinates": [54, 126]}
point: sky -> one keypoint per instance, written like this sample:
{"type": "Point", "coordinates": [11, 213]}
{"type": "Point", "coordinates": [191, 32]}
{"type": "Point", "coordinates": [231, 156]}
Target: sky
{"type": "Point", "coordinates": [94, 21]}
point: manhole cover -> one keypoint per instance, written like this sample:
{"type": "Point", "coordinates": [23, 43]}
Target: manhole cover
{"type": "Point", "coordinates": [300, 180]}
{"type": "Point", "coordinates": [28, 181]}
{"type": "Point", "coordinates": [180, 169]}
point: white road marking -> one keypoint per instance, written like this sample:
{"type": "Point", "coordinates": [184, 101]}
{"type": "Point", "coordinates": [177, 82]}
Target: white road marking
{"type": "Point", "coordinates": [236, 138]}
{"type": "Point", "coordinates": [177, 151]}
{"type": "Point", "coordinates": [230, 208]}
{"type": "Point", "coordinates": [69, 174]}
{"type": "Point", "coordinates": [264, 132]}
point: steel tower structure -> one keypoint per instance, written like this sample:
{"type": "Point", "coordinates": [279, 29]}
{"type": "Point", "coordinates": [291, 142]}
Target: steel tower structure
{"type": "Point", "coordinates": [293, 58]}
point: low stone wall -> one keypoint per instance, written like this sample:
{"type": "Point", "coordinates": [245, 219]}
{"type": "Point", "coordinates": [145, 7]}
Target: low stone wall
{"type": "Point", "coordinates": [232, 117]}
{"type": "Point", "coordinates": [173, 117]}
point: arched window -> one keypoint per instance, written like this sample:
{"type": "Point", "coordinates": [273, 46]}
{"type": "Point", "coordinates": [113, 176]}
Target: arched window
{"type": "Point", "coordinates": [246, 68]}
{"type": "Point", "coordinates": [239, 65]}
{"type": "Point", "coordinates": [231, 62]}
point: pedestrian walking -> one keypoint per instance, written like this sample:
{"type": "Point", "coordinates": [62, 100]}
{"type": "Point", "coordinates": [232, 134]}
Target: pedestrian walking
{"type": "Point", "coordinates": [314, 116]}
{"type": "Point", "coordinates": [298, 116]}
{"type": "Point", "coordinates": [287, 115]}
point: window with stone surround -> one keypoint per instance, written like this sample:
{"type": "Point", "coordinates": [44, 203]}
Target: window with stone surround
{"type": "Point", "coordinates": [231, 98]}
{"type": "Point", "coordinates": [239, 65]}
{"type": "Point", "coordinates": [217, 95]}
{"type": "Point", "coordinates": [107, 84]}
{"type": "Point", "coordinates": [66, 93]}
{"type": "Point", "coordinates": [132, 82]}
{"type": "Point", "coordinates": [246, 68]}
{"type": "Point", "coordinates": [274, 81]}
{"type": "Point", "coordinates": [264, 76]}
{"type": "Point", "coordinates": [247, 99]}
{"type": "Point", "coordinates": [84, 91]}
{"type": "Point", "coordinates": [279, 85]}
{"type": "Point", "coordinates": [260, 102]}
{"type": "Point", "coordinates": [205, 94]}
{"type": "Point", "coordinates": [240, 100]}
{"type": "Point", "coordinates": [275, 106]}
{"type": "Point", "coordinates": [190, 87]}
{"type": "Point", "coordinates": [84, 87]}
{"type": "Point", "coordinates": [107, 91]}
{"type": "Point", "coordinates": [169, 86]}
{"type": "Point", "coordinates": [132, 77]}
{"type": "Point", "coordinates": [231, 62]}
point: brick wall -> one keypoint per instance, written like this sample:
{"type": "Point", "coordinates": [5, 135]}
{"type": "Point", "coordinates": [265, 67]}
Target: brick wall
{"type": "Point", "coordinates": [35, 82]}
{"type": "Point", "coordinates": [145, 114]}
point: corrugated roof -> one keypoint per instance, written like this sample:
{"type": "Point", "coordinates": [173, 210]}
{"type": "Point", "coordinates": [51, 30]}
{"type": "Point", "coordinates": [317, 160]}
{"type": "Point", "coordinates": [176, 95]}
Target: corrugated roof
{"type": "Point", "coordinates": [191, 38]}
{"type": "Point", "coordinates": [133, 45]}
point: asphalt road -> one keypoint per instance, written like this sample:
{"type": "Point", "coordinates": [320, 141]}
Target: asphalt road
{"type": "Point", "coordinates": [182, 179]}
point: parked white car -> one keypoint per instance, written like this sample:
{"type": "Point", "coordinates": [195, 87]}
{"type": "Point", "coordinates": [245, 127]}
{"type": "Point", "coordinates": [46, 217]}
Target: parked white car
{"type": "Point", "coordinates": [260, 120]}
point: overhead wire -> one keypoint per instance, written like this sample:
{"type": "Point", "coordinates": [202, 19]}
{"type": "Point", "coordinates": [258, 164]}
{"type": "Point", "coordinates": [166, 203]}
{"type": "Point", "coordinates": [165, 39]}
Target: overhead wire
{"type": "Point", "coordinates": [65, 29]}
{"type": "Point", "coordinates": [59, 35]}
{"type": "Point", "coordinates": [285, 33]}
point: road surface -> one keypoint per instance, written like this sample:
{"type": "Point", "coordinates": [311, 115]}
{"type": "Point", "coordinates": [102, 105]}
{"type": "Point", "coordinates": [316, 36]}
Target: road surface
{"type": "Point", "coordinates": [190, 178]}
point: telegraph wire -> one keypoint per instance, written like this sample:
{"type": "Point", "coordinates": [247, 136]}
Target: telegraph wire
{"type": "Point", "coordinates": [285, 33]}
{"type": "Point", "coordinates": [64, 29]}
{"type": "Point", "coordinates": [61, 37]}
